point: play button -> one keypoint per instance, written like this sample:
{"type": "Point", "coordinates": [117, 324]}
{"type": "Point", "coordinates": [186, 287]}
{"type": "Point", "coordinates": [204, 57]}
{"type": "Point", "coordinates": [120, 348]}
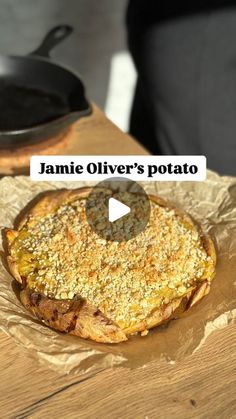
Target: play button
{"type": "Point", "coordinates": [118, 209]}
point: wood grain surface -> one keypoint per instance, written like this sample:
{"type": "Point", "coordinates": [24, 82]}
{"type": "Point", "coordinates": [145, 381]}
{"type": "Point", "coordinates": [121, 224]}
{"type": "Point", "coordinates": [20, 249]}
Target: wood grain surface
{"type": "Point", "coordinates": [93, 135]}
{"type": "Point", "coordinates": [201, 386]}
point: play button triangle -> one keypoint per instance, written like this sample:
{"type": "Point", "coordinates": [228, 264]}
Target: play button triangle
{"type": "Point", "coordinates": [116, 210]}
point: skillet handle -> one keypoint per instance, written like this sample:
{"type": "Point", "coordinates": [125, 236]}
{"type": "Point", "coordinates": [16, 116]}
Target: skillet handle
{"type": "Point", "coordinates": [53, 37]}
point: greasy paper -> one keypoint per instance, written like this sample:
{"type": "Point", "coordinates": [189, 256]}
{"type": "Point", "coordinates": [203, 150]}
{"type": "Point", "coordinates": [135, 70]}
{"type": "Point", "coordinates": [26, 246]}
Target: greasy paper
{"type": "Point", "coordinates": [211, 203]}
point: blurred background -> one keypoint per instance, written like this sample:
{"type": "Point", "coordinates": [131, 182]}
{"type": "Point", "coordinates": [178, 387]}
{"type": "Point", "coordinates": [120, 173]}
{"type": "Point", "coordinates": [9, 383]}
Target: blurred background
{"type": "Point", "coordinates": [97, 48]}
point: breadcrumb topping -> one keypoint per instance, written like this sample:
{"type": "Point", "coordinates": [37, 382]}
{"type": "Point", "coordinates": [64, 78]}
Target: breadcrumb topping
{"type": "Point", "coordinates": [62, 257]}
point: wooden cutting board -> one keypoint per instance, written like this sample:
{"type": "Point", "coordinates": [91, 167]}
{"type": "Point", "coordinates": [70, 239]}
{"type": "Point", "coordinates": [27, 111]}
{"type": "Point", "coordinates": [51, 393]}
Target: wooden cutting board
{"type": "Point", "coordinates": [90, 135]}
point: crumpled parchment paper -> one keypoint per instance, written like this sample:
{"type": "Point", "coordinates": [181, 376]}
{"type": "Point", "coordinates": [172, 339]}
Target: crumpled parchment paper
{"type": "Point", "coordinates": [211, 203]}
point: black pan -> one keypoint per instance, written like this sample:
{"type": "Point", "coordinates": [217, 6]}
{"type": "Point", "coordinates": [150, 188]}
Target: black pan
{"type": "Point", "coordinates": [38, 98]}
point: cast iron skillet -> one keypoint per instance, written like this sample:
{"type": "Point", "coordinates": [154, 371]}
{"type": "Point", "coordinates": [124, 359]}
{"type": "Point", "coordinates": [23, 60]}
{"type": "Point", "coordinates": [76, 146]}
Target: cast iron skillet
{"type": "Point", "coordinates": [38, 99]}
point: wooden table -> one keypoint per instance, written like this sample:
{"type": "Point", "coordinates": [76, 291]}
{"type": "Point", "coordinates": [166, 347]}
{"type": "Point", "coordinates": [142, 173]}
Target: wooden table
{"type": "Point", "coordinates": [201, 386]}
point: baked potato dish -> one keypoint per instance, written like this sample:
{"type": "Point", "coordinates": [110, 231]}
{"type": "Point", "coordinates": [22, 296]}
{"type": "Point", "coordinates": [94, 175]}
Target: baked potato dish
{"type": "Point", "coordinates": [78, 283]}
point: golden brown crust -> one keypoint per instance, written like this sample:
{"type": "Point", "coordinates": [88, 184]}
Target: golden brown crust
{"type": "Point", "coordinates": [78, 317]}
{"type": "Point", "coordinates": [171, 310]}
{"type": "Point", "coordinates": [50, 201]}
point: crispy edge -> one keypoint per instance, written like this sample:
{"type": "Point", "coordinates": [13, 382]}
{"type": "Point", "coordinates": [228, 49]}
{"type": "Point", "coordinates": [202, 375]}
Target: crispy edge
{"type": "Point", "coordinates": [12, 265]}
{"type": "Point", "coordinates": [76, 317]}
{"type": "Point", "coordinates": [171, 310]}
{"type": "Point", "coordinates": [86, 323]}
{"type": "Point", "coordinates": [50, 201]}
